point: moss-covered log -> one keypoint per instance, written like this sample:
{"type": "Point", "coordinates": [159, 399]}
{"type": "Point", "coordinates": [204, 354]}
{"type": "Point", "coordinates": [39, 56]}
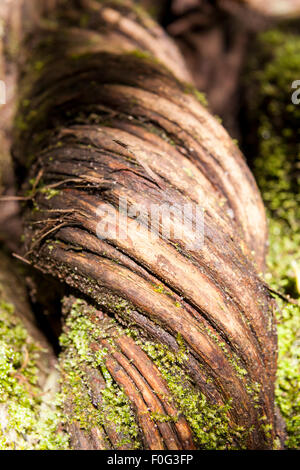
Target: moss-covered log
{"type": "Point", "coordinates": [171, 344]}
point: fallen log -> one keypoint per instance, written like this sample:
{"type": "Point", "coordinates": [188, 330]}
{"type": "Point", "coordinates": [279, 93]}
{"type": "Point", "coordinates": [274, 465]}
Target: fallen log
{"type": "Point", "coordinates": [170, 342]}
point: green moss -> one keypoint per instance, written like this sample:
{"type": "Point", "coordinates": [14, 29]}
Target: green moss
{"type": "Point", "coordinates": [279, 131]}
{"type": "Point", "coordinates": [41, 188]}
{"type": "Point", "coordinates": [155, 129]}
{"type": "Point", "coordinates": [288, 373]}
{"type": "Point", "coordinates": [277, 173]}
{"type": "Point", "coordinates": [145, 56]}
{"type": "Point", "coordinates": [210, 423]}
{"type": "Point", "coordinates": [190, 89]}
{"type": "Point", "coordinates": [49, 192]}
{"type": "Point", "coordinates": [21, 124]}
{"type": "Point", "coordinates": [160, 289]}
{"type": "Point", "coordinates": [39, 65]}
{"type": "Point", "coordinates": [84, 20]}
{"type": "Point", "coordinates": [30, 422]}
{"type": "Point", "coordinates": [233, 359]}
{"type": "Point", "coordinates": [140, 54]}
{"type": "Point", "coordinates": [114, 406]}
{"type": "Point", "coordinates": [163, 418]}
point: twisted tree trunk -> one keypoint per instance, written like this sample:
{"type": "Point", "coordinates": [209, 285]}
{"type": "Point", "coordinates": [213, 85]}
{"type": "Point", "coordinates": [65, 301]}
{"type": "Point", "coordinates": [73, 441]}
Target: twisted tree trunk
{"type": "Point", "coordinates": [172, 344]}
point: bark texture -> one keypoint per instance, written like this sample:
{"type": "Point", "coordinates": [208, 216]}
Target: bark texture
{"type": "Point", "coordinates": [180, 340]}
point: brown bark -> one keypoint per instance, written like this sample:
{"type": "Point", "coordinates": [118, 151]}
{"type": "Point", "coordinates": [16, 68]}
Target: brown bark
{"type": "Point", "coordinates": [100, 122]}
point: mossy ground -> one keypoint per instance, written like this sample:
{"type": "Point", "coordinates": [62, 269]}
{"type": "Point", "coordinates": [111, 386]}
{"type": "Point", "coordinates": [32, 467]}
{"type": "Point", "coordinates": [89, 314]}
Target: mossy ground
{"type": "Point", "coordinates": [277, 168]}
{"type": "Point", "coordinates": [210, 423]}
{"type": "Point", "coordinates": [27, 421]}
{"type": "Point", "coordinates": [283, 257]}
